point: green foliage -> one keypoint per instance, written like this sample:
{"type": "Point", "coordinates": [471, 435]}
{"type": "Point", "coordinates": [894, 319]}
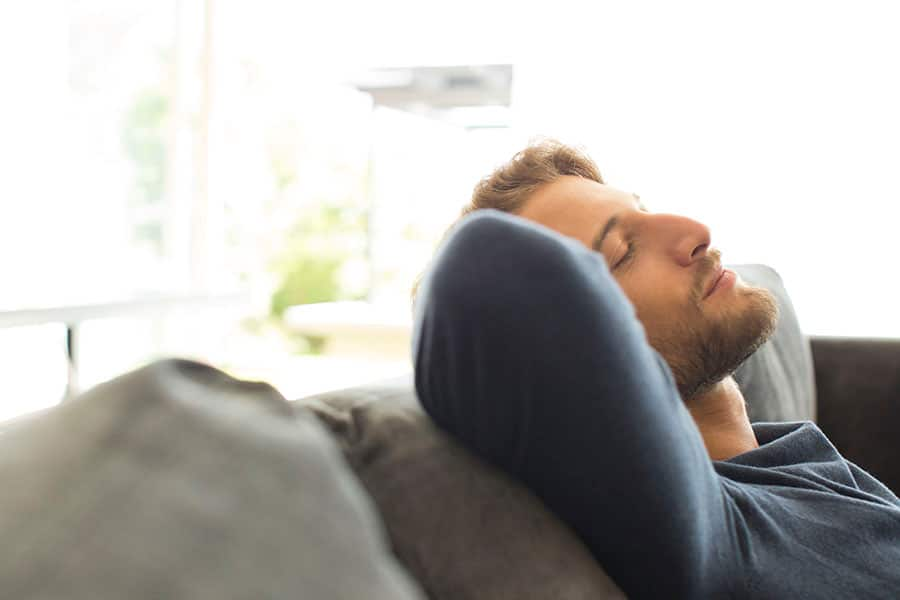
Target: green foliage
{"type": "Point", "coordinates": [329, 228]}
{"type": "Point", "coordinates": [315, 250]}
{"type": "Point", "coordinates": [143, 138]}
{"type": "Point", "coordinates": [144, 142]}
{"type": "Point", "coordinates": [307, 279]}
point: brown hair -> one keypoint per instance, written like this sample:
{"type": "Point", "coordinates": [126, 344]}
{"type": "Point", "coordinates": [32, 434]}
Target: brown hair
{"type": "Point", "coordinates": [511, 184]}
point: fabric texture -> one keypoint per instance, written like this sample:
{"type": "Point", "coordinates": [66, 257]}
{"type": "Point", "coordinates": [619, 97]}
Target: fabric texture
{"type": "Point", "coordinates": [177, 481]}
{"type": "Point", "coordinates": [527, 352]}
{"type": "Point", "coordinates": [778, 380]}
{"type": "Point", "coordinates": [464, 530]}
{"type": "Point", "coordinates": [858, 401]}
{"type": "Point", "coordinates": [810, 523]}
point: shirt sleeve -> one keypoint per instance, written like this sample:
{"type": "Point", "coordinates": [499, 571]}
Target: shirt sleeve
{"type": "Point", "coordinates": [527, 351]}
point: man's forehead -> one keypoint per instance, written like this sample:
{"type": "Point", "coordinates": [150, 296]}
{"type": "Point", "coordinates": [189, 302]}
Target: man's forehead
{"type": "Point", "coordinates": [572, 194]}
{"type": "Point", "coordinates": [577, 207]}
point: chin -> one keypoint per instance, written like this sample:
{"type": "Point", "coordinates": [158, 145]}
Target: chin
{"type": "Point", "coordinates": [703, 353]}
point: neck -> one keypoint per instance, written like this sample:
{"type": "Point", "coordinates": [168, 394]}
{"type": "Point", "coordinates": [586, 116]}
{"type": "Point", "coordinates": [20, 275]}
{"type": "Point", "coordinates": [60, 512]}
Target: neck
{"type": "Point", "coordinates": [721, 417]}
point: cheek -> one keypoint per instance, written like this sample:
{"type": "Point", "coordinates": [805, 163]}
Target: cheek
{"type": "Point", "coordinates": [649, 288]}
{"type": "Point", "coordinates": [650, 302]}
{"type": "Point", "coordinates": [659, 300]}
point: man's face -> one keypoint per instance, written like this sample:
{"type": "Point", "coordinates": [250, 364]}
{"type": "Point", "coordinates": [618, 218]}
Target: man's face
{"type": "Point", "coordinates": [702, 319]}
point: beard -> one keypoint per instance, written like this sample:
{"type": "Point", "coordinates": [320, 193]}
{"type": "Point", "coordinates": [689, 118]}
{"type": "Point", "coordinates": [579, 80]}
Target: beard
{"type": "Point", "coordinates": [703, 349]}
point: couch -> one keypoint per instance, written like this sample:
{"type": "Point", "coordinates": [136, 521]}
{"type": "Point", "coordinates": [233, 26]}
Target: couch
{"type": "Point", "coordinates": [176, 480]}
{"type": "Point", "coordinates": [465, 531]}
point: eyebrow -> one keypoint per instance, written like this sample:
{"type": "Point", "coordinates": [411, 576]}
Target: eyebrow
{"type": "Point", "coordinates": [613, 222]}
{"type": "Point", "coordinates": [597, 244]}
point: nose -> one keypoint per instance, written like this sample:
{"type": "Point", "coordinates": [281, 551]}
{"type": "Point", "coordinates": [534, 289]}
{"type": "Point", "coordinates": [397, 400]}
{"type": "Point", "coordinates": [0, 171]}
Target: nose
{"type": "Point", "coordinates": [683, 239]}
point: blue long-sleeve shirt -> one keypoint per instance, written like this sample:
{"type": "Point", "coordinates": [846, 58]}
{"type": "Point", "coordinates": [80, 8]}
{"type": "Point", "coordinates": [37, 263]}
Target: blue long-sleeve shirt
{"type": "Point", "coordinates": [528, 352]}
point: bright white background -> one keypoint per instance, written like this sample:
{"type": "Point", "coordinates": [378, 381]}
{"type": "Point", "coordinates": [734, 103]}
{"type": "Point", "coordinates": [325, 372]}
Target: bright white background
{"type": "Point", "coordinates": [776, 123]}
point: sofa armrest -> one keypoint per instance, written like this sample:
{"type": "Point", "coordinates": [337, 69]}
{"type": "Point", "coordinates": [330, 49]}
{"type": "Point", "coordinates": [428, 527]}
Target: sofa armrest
{"type": "Point", "coordinates": [858, 401]}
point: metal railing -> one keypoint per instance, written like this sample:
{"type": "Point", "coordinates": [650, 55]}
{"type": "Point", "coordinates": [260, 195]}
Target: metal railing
{"type": "Point", "coordinates": [71, 316]}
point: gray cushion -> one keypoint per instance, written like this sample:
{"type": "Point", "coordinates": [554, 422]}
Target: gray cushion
{"type": "Point", "coordinates": [463, 529]}
{"type": "Point", "coordinates": [778, 381]}
{"type": "Point", "coordinates": [177, 481]}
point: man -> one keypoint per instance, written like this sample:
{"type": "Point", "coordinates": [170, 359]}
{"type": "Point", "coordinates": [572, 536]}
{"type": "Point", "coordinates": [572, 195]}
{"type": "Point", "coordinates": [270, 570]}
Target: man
{"type": "Point", "coordinates": [585, 346]}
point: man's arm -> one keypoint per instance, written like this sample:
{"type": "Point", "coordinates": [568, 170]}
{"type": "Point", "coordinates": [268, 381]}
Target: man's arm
{"type": "Point", "coordinates": [528, 352]}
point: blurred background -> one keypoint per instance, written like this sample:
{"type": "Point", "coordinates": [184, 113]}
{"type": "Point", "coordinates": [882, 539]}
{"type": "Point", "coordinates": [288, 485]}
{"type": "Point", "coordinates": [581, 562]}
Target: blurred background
{"type": "Point", "coordinates": [257, 184]}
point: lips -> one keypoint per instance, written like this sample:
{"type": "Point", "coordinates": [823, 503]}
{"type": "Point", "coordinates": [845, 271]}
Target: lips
{"type": "Point", "coordinates": [714, 280]}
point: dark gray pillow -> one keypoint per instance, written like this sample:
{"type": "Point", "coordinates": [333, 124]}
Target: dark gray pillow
{"type": "Point", "coordinates": [177, 481]}
{"type": "Point", "coordinates": [778, 380]}
{"type": "Point", "coordinates": [463, 529]}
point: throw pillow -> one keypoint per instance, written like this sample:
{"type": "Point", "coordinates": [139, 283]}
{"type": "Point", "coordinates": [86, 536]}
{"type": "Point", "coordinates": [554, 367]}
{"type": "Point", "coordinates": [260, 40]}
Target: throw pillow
{"type": "Point", "coordinates": [463, 529]}
{"type": "Point", "coordinates": [778, 380]}
{"type": "Point", "coordinates": [177, 481]}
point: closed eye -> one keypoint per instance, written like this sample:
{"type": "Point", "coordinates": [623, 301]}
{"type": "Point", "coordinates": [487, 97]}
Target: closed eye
{"type": "Point", "coordinates": [629, 254]}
